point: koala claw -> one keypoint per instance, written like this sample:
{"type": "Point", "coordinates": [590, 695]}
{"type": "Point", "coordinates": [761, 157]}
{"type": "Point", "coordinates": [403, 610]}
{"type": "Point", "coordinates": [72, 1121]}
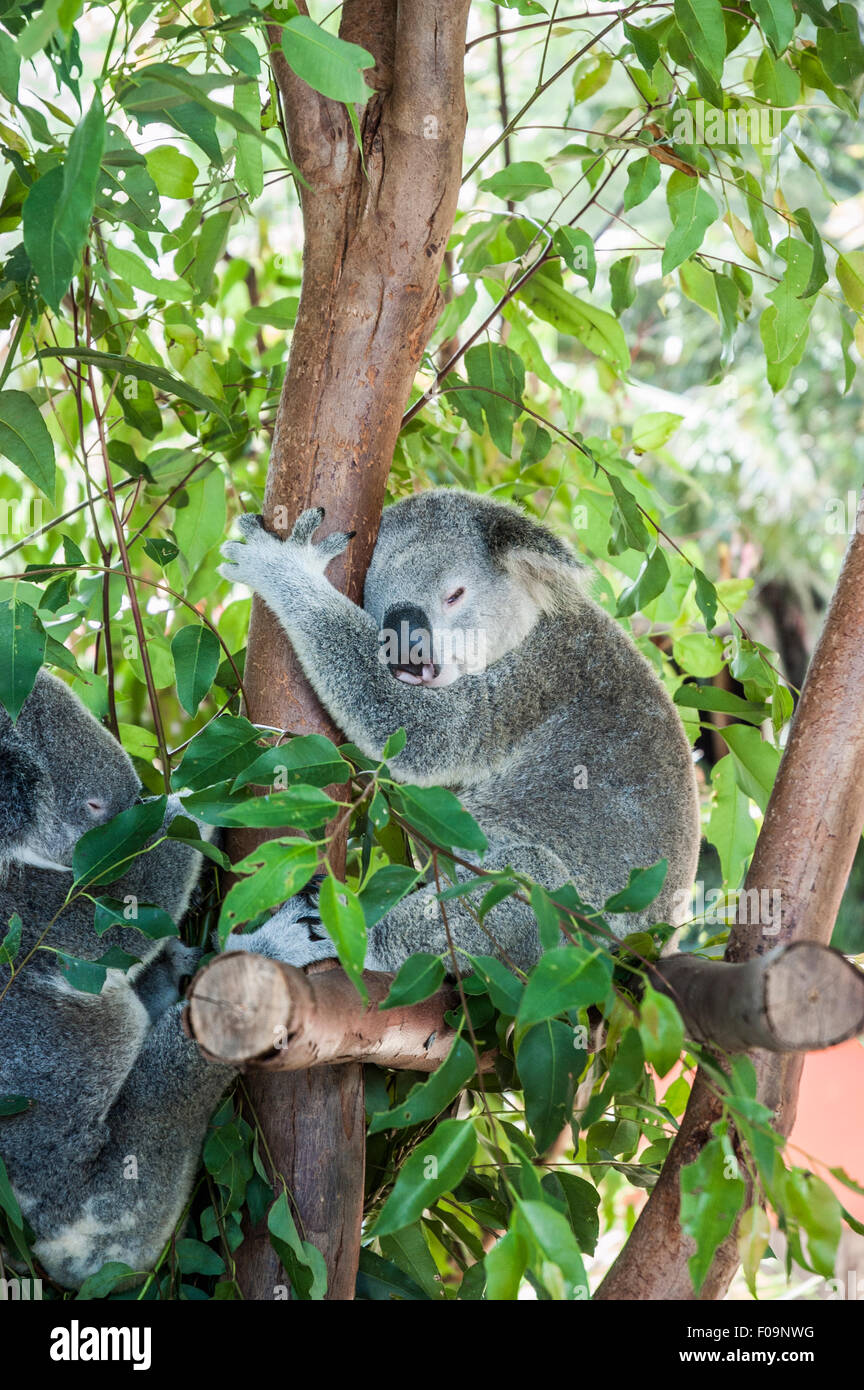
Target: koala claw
{"type": "Point", "coordinates": [306, 525]}
{"type": "Point", "coordinates": [250, 523]}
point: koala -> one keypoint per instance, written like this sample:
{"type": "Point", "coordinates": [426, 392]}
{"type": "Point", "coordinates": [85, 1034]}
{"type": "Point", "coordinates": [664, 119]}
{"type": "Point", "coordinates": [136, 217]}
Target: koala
{"type": "Point", "coordinates": [103, 1161]}
{"type": "Point", "coordinates": [516, 691]}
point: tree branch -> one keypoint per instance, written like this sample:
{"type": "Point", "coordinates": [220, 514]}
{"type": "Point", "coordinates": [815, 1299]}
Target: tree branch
{"type": "Point", "coordinates": [805, 850]}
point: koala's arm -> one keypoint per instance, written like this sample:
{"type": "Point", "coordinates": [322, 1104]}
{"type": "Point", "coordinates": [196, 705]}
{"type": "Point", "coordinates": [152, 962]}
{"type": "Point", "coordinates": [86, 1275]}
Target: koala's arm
{"type": "Point", "coordinates": [447, 728]}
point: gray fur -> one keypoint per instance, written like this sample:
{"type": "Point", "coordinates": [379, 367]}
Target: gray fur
{"type": "Point", "coordinates": [563, 688]}
{"type": "Point", "coordinates": [103, 1163]}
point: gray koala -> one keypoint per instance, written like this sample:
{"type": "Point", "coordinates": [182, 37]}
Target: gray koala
{"type": "Point", "coordinates": [516, 691]}
{"type": "Point", "coordinates": [103, 1162]}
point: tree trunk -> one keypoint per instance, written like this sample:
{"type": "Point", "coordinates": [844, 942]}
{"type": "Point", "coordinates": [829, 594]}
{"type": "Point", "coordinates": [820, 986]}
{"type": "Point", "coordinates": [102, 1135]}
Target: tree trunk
{"type": "Point", "coordinates": [805, 850]}
{"type": "Point", "coordinates": [373, 246]}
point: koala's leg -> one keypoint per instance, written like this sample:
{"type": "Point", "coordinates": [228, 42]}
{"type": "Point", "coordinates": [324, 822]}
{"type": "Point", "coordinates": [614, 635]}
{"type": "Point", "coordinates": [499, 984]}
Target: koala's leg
{"type": "Point", "coordinates": [293, 935]}
{"type": "Point", "coordinates": [123, 1202]}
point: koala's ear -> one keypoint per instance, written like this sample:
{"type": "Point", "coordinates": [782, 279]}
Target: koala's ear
{"type": "Point", "coordinates": [21, 775]}
{"type": "Point", "coordinates": [534, 557]}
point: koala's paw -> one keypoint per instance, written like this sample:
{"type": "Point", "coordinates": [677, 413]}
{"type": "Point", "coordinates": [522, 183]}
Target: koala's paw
{"type": "Point", "coordinates": [251, 563]}
{"type": "Point", "coordinates": [161, 981]}
{"type": "Point", "coordinates": [294, 935]}
{"type": "Point", "coordinates": [316, 555]}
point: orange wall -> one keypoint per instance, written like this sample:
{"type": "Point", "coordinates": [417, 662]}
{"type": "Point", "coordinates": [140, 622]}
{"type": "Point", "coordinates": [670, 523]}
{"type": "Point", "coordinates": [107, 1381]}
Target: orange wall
{"type": "Point", "coordinates": [829, 1125]}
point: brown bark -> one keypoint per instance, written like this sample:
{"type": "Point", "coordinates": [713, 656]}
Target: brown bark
{"type": "Point", "coordinates": [373, 246]}
{"type": "Point", "coordinates": [798, 998]}
{"type": "Point", "coordinates": [256, 1013]}
{"type": "Point", "coordinates": [805, 851]}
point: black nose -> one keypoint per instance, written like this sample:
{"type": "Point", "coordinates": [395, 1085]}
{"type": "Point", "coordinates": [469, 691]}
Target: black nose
{"type": "Point", "coordinates": [413, 638]}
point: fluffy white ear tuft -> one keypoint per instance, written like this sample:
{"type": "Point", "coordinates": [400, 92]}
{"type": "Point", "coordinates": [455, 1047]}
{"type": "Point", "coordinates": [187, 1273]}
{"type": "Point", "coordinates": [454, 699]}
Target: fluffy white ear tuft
{"type": "Point", "coordinates": [554, 585]}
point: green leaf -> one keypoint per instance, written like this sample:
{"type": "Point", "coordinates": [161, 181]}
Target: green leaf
{"type": "Point", "coordinates": [850, 276]}
{"type": "Point", "coordinates": [643, 885]}
{"type": "Point", "coordinates": [162, 551]}
{"type": "Point", "coordinates": [344, 923]}
{"type": "Point", "coordinates": [774, 82]}
{"type": "Point", "coordinates": [104, 1281]}
{"type": "Point", "coordinates": [692, 211]}
{"type": "Point", "coordinates": [131, 270]}
{"type": "Point", "coordinates": [103, 854]}
{"type": "Point", "coordinates": [300, 807]}
{"type": "Point", "coordinates": [25, 441]}
{"type": "Point", "coordinates": [622, 283]}
{"type": "Point", "coordinates": [651, 431]}
{"type": "Point", "coordinates": [840, 48]}
{"type": "Point", "coordinates": [222, 749]}
{"type": "Point", "coordinates": [282, 313]}
{"type": "Point", "coordinates": [328, 64]}
{"type": "Point", "coordinates": [194, 1257]}
{"type": "Point", "coordinates": [420, 976]}
{"type": "Point", "coordinates": [712, 1194]}
{"type": "Point", "coordinates": [706, 598]}
{"type": "Point", "coordinates": [583, 1201]}
{"type": "Point", "coordinates": [10, 69]}
{"type": "Point", "coordinates": [701, 23]}
{"type": "Point", "coordinates": [549, 1067]}
{"type": "Point", "coordinates": [548, 1231]}
{"type": "Point", "coordinates": [661, 1031]}
{"type": "Point", "coordinates": [576, 249]}
{"type": "Point", "coordinates": [506, 1263]}
{"type": "Point", "coordinates": [11, 943]}
{"type": "Point", "coordinates": [153, 921]}
{"type": "Point", "coordinates": [59, 205]}
{"type": "Point", "coordinates": [731, 828]}
{"type": "Point", "coordinates": [756, 762]}
{"type": "Point", "coordinates": [276, 871]}
{"type": "Point", "coordinates": [777, 18]}
{"type": "Point", "coordinates": [437, 814]}
{"type": "Point", "coordinates": [114, 363]}
{"type": "Point", "coordinates": [517, 181]}
{"type": "Point", "coordinates": [309, 758]}
{"type": "Point", "coordinates": [503, 987]}
{"type": "Point", "coordinates": [249, 163]}
{"type": "Point", "coordinates": [387, 886]}
{"type": "Point", "coordinates": [643, 176]}
{"type": "Point", "coordinates": [712, 697]}
{"type": "Point", "coordinates": [14, 1105]}
{"type": "Point", "coordinates": [630, 530]}
{"type": "Point", "coordinates": [436, 1166]}
{"type": "Point", "coordinates": [381, 1280]}
{"type": "Point", "coordinates": [173, 173]}
{"type": "Point", "coordinates": [201, 524]}
{"type": "Point", "coordinates": [22, 642]}
{"type": "Point", "coordinates": [648, 585]}
{"type": "Point", "coordinates": [698, 654]}
{"type": "Point", "coordinates": [567, 978]}
{"type": "Point", "coordinates": [196, 653]}
{"type": "Point", "coordinates": [598, 331]}
{"type": "Point", "coordinates": [304, 1263]}
{"type": "Point", "coordinates": [428, 1098]}
{"type": "Point", "coordinates": [501, 370]}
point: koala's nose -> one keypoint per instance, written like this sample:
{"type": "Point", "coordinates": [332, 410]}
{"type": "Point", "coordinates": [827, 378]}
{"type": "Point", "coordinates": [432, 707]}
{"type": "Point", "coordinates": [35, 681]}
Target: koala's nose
{"type": "Point", "coordinates": [413, 638]}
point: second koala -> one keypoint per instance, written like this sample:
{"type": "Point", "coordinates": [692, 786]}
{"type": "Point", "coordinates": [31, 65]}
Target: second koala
{"type": "Point", "coordinates": [515, 690]}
